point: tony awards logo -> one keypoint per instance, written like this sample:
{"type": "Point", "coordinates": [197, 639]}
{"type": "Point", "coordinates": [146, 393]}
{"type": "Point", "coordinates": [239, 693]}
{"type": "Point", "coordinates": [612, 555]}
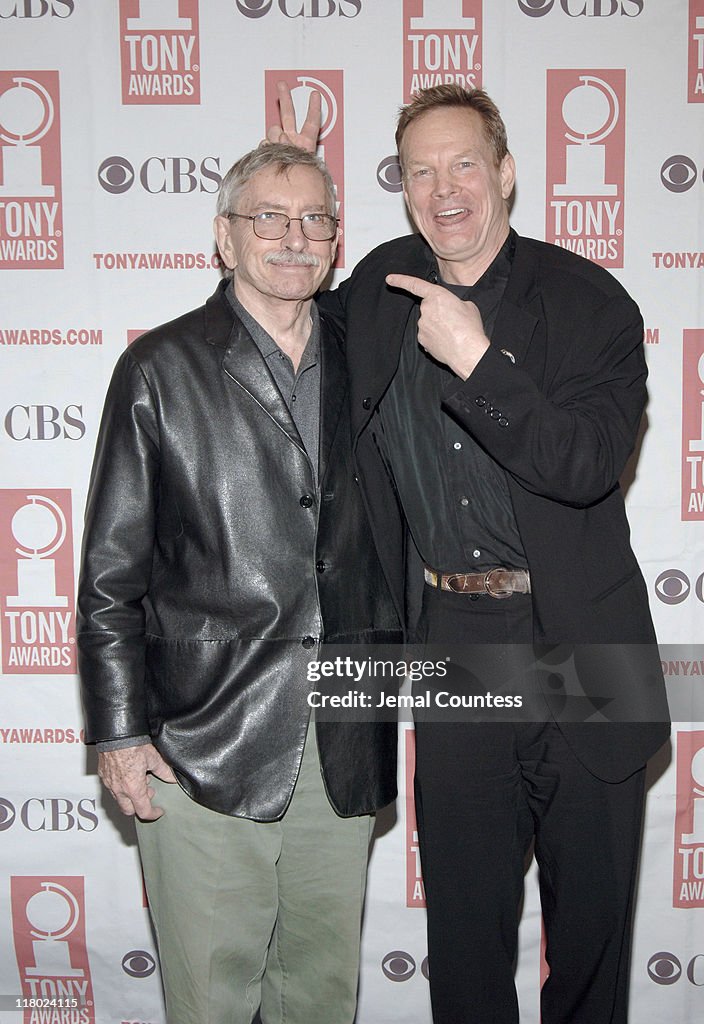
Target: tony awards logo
{"type": "Point", "coordinates": [37, 570]}
{"type": "Point", "coordinates": [695, 48]}
{"type": "Point", "coordinates": [693, 425]}
{"type": "Point", "coordinates": [160, 51]}
{"type": "Point", "coordinates": [689, 821]}
{"type": "Point", "coordinates": [442, 43]}
{"type": "Point", "coordinates": [26, 115]}
{"type": "Point", "coordinates": [590, 111]}
{"type": "Point", "coordinates": [53, 914]}
{"type": "Point", "coordinates": [586, 152]}
{"type": "Point", "coordinates": [48, 919]}
{"type": "Point", "coordinates": [30, 183]}
{"type": "Point", "coordinates": [39, 527]}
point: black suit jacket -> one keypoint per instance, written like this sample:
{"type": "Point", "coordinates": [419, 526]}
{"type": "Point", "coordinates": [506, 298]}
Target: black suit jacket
{"type": "Point", "coordinates": [211, 564]}
{"type": "Point", "coordinates": [557, 402]}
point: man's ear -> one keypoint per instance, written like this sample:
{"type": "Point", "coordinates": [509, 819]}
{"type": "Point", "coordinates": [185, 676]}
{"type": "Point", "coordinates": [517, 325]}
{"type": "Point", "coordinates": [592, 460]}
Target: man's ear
{"type": "Point", "coordinates": [222, 229]}
{"type": "Point", "coordinates": [508, 175]}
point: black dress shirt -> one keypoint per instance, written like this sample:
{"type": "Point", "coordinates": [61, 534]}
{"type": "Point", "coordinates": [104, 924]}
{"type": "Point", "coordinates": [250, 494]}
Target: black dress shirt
{"type": "Point", "coordinates": [454, 495]}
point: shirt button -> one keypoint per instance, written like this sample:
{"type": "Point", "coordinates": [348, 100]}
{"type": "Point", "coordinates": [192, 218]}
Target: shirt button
{"type": "Point", "coordinates": [321, 566]}
{"type": "Point", "coordinates": [366, 403]}
{"type": "Point", "coordinates": [464, 501]}
{"type": "Point", "coordinates": [306, 500]}
{"type": "Point", "coordinates": [457, 445]}
{"type": "Point", "coordinates": [293, 398]}
{"type": "Point", "coordinates": [308, 642]}
{"type": "Point", "coordinates": [476, 553]}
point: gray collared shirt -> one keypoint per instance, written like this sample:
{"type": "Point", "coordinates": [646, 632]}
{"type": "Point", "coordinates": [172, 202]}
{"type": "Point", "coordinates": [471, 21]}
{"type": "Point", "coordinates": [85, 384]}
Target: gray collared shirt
{"type": "Point", "coordinates": [300, 390]}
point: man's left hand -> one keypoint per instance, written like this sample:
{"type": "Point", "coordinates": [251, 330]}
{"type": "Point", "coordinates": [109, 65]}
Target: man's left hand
{"type": "Point", "coordinates": [449, 329]}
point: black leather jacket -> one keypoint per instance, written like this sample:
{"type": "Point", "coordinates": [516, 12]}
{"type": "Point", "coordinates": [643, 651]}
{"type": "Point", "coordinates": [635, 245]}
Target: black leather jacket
{"type": "Point", "coordinates": [209, 563]}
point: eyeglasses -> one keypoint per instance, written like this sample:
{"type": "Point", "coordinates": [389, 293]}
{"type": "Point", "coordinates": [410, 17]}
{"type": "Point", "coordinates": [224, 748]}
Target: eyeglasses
{"type": "Point", "coordinates": [317, 227]}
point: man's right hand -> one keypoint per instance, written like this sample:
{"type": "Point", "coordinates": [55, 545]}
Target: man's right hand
{"type": "Point", "coordinates": [287, 131]}
{"type": "Point", "coordinates": [124, 772]}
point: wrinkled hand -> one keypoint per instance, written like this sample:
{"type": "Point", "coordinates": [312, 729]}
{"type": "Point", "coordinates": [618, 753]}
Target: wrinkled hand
{"type": "Point", "coordinates": [287, 132]}
{"type": "Point", "coordinates": [124, 772]}
{"type": "Point", "coordinates": [449, 329]}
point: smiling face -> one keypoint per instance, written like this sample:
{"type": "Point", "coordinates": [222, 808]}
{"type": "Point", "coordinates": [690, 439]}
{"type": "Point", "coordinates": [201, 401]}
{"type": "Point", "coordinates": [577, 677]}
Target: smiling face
{"type": "Point", "coordinates": [455, 191]}
{"type": "Point", "coordinates": [288, 269]}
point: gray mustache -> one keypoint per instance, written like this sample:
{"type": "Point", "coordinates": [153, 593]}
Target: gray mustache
{"type": "Point", "coordinates": [298, 259]}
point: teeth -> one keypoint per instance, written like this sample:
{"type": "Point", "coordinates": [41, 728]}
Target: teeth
{"type": "Point", "coordinates": [451, 213]}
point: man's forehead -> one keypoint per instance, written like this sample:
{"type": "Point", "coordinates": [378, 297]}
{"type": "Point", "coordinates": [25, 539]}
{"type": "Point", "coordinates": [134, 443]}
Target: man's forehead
{"type": "Point", "coordinates": [286, 182]}
{"type": "Point", "coordinates": [462, 128]}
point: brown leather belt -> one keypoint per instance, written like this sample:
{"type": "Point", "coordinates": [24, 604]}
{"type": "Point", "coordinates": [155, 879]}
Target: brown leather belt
{"type": "Point", "coordinates": [498, 583]}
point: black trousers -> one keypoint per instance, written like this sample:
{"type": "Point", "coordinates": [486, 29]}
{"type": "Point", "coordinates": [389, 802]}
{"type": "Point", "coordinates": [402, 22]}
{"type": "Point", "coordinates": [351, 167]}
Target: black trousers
{"type": "Point", "coordinates": [484, 791]}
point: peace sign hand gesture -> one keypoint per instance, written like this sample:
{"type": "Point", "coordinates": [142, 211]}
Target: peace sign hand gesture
{"type": "Point", "coordinates": [287, 132]}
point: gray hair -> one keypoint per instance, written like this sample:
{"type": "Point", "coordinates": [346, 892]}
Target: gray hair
{"type": "Point", "coordinates": [270, 154]}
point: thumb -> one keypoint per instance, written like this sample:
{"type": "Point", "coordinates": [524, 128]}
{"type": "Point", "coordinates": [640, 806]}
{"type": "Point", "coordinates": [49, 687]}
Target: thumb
{"type": "Point", "coordinates": [158, 766]}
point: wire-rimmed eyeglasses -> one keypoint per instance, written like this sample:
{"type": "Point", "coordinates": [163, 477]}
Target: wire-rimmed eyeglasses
{"type": "Point", "coordinates": [317, 227]}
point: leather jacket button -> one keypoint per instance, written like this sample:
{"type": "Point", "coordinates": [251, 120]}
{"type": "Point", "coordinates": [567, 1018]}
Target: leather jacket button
{"type": "Point", "coordinates": [306, 500]}
{"type": "Point", "coordinates": [366, 403]}
{"type": "Point", "coordinates": [308, 642]}
{"type": "Point", "coordinates": [321, 566]}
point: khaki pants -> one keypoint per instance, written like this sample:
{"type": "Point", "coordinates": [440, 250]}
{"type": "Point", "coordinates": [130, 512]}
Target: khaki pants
{"type": "Point", "coordinates": [249, 913]}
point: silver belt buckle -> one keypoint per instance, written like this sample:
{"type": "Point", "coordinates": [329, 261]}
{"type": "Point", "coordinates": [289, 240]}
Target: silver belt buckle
{"type": "Point", "coordinates": [498, 594]}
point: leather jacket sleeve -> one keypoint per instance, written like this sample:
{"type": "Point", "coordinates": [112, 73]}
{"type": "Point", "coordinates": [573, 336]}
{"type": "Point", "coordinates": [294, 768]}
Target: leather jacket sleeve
{"type": "Point", "coordinates": [117, 558]}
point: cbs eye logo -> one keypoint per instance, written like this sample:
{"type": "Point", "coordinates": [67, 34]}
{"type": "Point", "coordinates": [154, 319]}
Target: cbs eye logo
{"type": "Point", "coordinates": [666, 969]}
{"type": "Point", "coordinates": [673, 586]}
{"type": "Point", "coordinates": [7, 814]}
{"type": "Point", "coordinates": [388, 174]}
{"type": "Point", "coordinates": [679, 173]}
{"type": "Point", "coordinates": [138, 963]}
{"type": "Point", "coordinates": [254, 8]}
{"type": "Point", "coordinates": [400, 966]}
{"type": "Point", "coordinates": [116, 175]}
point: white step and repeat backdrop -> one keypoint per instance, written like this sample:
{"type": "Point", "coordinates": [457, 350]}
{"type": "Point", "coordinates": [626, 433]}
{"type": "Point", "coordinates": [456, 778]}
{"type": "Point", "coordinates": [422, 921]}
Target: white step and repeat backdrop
{"type": "Point", "coordinates": [117, 119]}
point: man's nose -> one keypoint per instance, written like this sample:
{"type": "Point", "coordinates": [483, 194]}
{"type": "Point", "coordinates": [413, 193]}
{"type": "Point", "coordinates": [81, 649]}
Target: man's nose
{"type": "Point", "coordinates": [445, 184]}
{"type": "Point", "coordinates": [294, 238]}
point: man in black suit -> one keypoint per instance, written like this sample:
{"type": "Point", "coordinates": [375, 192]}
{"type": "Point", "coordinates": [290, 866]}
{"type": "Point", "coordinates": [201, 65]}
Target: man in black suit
{"type": "Point", "coordinates": [497, 388]}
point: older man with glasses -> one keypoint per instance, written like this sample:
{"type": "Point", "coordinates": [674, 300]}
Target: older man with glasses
{"type": "Point", "coordinates": [225, 540]}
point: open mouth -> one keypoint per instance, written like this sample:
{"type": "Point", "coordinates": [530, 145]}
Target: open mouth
{"type": "Point", "coordinates": [448, 216]}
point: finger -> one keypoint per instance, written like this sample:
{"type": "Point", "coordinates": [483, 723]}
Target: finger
{"type": "Point", "coordinates": [274, 134]}
{"type": "Point", "coordinates": [164, 773]}
{"type": "Point", "coordinates": [142, 803]}
{"type": "Point", "coordinates": [124, 802]}
{"type": "Point", "coordinates": [311, 125]}
{"type": "Point", "coordinates": [286, 108]}
{"type": "Point", "coordinates": [414, 285]}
